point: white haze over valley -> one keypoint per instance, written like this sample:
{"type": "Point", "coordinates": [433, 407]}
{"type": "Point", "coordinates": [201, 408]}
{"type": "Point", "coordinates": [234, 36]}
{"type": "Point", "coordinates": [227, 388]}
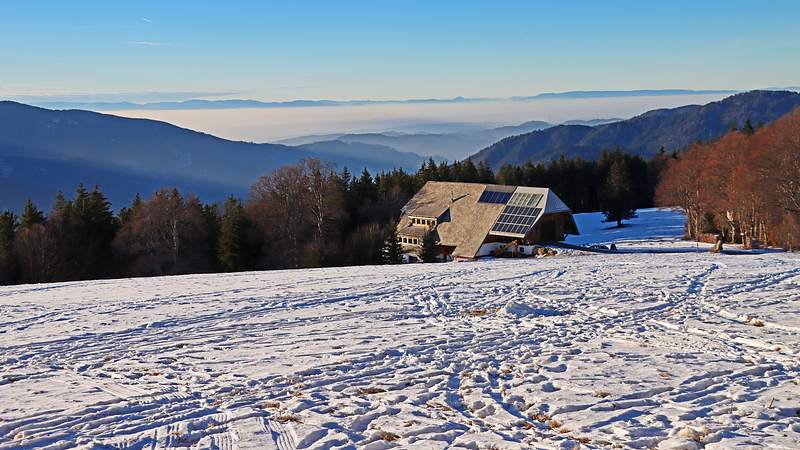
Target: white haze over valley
{"type": "Point", "coordinates": [272, 124]}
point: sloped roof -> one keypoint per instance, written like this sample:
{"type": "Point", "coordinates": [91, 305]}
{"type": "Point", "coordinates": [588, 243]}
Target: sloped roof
{"type": "Point", "coordinates": [413, 231]}
{"type": "Point", "coordinates": [464, 222]}
{"type": "Point", "coordinates": [432, 211]}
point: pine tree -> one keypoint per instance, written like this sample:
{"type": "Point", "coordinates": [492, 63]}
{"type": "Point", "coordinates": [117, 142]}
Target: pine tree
{"type": "Point", "coordinates": [31, 215]}
{"type": "Point", "coordinates": [8, 231]}
{"type": "Point", "coordinates": [86, 234]}
{"type": "Point", "coordinates": [430, 248]}
{"type": "Point", "coordinates": [618, 197]}
{"type": "Point", "coordinates": [392, 249]}
{"type": "Point", "coordinates": [748, 127]}
{"type": "Point", "coordinates": [231, 236]}
{"type": "Point", "coordinates": [126, 214]}
{"type": "Point", "coordinates": [485, 174]}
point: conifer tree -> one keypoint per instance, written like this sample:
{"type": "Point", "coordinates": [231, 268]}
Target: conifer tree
{"type": "Point", "coordinates": [748, 127]}
{"type": "Point", "coordinates": [618, 197]}
{"type": "Point", "coordinates": [430, 248]}
{"type": "Point", "coordinates": [126, 214]}
{"type": "Point", "coordinates": [31, 215]}
{"type": "Point", "coordinates": [231, 236]}
{"type": "Point", "coordinates": [485, 174]}
{"type": "Point", "coordinates": [8, 231]}
{"type": "Point", "coordinates": [392, 249]}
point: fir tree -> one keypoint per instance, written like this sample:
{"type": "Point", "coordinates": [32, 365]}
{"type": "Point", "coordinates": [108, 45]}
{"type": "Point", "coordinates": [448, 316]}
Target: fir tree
{"type": "Point", "coordinates": [8, 231]}
{"type": "Point", "coordinates": [485, 174]}
{"type": "Point", "coordinates": [88, 235]}
{"type": "Point", "coordinates": [392, 249]}
{"type": "Point", "coordinates": [231, 236]}
{"type": "Point", "coordinates": [618, 197]}
{"type": "Point", "coordinates": [748, 127]}
{"type": "Point", "coordinates": [430, 248]}
{"type": "Point", "coordinates": [31, 215]}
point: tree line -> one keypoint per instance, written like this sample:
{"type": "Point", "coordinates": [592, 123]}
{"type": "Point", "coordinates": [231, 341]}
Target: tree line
{"type": "Point", "coordinates": [304, 215]}
{"type": "Point", "coordinates": [745, 186]}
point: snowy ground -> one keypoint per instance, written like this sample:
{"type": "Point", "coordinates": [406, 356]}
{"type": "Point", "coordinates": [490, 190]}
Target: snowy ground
{"type": "Point", "coordinates": [580, 350]}
{"type": "Point", "coordinates": [653, 225]}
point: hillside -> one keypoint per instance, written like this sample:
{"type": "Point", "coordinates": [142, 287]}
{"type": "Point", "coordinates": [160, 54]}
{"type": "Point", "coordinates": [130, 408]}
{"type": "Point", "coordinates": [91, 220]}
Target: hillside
{"type": "Point", "coordinates": [42, 151]}
{"type": "Point", "coordinates": [673, 129]}
{"type": "Point", "coordinates": [453, 145]}
{"type": "Point", "coordinates": [670, 351]}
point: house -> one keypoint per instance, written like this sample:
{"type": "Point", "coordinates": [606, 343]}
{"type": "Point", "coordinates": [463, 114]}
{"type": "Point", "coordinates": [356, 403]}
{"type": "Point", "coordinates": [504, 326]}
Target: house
{"type": "Point", "coordinates": [471, 220]}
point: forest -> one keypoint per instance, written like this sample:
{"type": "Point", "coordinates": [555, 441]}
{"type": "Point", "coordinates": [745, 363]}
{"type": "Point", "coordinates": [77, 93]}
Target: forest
{"type": "Point", "coordinates": [743, 187]}
{"type": "Point", "coordinates": [305, 215]}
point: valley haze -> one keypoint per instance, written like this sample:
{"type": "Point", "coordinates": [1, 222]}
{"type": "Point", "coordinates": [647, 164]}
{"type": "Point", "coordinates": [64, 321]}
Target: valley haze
{"type": "Point", "coordinates": [272, 124]}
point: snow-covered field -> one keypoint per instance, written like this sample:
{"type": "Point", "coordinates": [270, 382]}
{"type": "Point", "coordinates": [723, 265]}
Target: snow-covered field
{"type": "Point", "coordinates": [684, 350]}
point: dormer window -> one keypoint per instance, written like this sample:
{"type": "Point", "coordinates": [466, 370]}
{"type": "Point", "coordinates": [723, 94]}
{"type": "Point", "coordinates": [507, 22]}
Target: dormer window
{"type": "Point", "coordinates": [430, 223]}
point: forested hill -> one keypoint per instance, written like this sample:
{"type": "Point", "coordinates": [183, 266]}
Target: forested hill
{"type": "Point", "coordinates": [674, 129]}
{"type": "Point", "coordinates": [43, 151]}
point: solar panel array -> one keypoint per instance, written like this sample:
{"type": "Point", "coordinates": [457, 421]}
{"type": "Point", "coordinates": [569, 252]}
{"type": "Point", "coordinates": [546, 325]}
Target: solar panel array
{"type": "Point", "coordinates": [489, 196]}
{"type": "Point", "coordinates": [520, 212]}
{"type": "Point", "coordinates": [516, 219]}
{"type": "Point", "coordinates": [524, 199]}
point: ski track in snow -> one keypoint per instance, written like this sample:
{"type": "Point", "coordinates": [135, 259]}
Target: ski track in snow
{"type": "Point", "coordinates": [592, 351]}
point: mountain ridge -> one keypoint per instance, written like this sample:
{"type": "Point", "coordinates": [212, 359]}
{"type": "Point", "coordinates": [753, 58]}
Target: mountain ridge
{"type": "Point", "coordinates": [299, 103]}
{"type": "Point", "coordinates": [645, 134]}
{"type": "Point", "coordinates": [150, 153]}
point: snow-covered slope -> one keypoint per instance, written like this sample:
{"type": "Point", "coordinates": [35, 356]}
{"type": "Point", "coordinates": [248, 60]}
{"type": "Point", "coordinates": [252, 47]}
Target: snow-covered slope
{"type": "Point", "coordinates": [650, 224]}
{"type": "Point", "coordinates": [635, 350]}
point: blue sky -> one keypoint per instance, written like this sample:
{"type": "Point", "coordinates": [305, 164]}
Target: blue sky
{"type": "Point", "coordinates": [379, 50]}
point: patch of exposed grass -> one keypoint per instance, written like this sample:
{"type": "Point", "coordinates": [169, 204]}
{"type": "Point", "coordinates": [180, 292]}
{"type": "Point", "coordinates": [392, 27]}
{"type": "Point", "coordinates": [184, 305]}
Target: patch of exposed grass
{"type": "Point", "coordinates": [370, 390]}
{"type": "Point", "coordinates": [286, 418]}
{"type": "Point", "coordinates": [388, 436]}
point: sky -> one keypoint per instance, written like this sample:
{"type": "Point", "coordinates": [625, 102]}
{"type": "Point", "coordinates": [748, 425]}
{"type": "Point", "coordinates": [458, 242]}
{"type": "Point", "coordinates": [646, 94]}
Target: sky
{"type": "Point", "coordinates": [272, 51]}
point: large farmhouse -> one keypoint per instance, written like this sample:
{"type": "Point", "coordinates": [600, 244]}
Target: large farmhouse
{"type": "Point", "coordinates": [470, 220]}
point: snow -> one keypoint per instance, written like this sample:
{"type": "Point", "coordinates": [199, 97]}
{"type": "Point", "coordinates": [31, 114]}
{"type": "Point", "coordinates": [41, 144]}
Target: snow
{"type": "Point", "coordinates": [650, 224]}
{"type": "Point", "coordinates": [637, 350]}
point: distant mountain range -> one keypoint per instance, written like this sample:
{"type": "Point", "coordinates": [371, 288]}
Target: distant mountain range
{"type": "Point", "coordinates": [455, 145]}
{"type": "Point", "coordinates": [43, 151]}
{"type": "Point", "coordinates": [245, 103]}
{"type": "Point", "coordinates": [673, 129]}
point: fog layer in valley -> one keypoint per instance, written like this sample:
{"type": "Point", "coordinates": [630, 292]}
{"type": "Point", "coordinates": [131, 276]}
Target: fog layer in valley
{"type": "Point", "coordinates": [271, 124]}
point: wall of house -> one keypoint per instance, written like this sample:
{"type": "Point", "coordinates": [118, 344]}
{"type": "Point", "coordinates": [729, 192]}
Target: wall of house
{"type": "Point", "coordinates": [488, 248]}
{"type": "Point", "coordinates": [551, 227]}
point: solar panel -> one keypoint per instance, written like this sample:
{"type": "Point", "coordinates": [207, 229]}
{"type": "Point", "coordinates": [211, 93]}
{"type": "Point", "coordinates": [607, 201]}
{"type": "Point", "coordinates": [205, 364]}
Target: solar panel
{"type": "Point", "coordinates": [517, 219]}
{"type": "Point", "coordinates": [524, 199]}
{"type": "Point", "coordinates": [490, 196]}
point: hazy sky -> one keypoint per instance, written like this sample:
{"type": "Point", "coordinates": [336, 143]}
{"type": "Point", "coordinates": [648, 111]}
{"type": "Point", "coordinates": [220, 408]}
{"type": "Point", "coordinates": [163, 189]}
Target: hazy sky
{"type": "Point", "coordinates": [380, 50]}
